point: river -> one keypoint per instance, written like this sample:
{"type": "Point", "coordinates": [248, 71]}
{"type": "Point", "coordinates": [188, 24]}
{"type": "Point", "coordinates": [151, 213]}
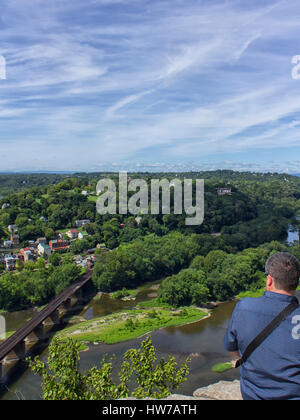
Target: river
{"type": "Point", "coordinates": [202, 341]}
{"type": "Point", "coordinates": [293, 235]}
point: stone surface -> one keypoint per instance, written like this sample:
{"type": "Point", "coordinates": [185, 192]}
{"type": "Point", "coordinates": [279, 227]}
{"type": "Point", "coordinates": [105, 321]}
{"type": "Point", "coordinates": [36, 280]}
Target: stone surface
{"type": "Point", "coordinates": [220, 391]}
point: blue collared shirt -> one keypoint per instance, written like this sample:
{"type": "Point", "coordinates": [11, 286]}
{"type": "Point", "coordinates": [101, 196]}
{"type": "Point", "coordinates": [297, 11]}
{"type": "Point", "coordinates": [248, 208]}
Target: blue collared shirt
{"type": "Point", "coordinates": [272, 371]}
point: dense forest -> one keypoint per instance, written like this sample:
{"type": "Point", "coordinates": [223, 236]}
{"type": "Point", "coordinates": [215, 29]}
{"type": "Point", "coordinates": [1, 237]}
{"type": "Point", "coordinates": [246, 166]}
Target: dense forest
{"type": "Point", "coordinates": [260, 206]}
{"type": "Point", "coordinates": [36, 284]}
{"type": "Point", "coordinates": [234, 235]}
{"type": "Point", "coordinates": [196, 268]}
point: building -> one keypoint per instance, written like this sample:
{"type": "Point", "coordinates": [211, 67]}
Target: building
{"type": "Point", "coordinates": [44, 250]}
{"type": "Point", "coordinates": [80, 223]}
{"type": "Point", "coordinates": [27, 254]}
{"type": "Point", "coordinates": [87, 262]}
{"type": "Point", "coordinates": [41, 241]}
{"type": "Point", "coordinates": [58, 245]}
{"type": "Point", "coordinates": [72, 234]}
{"type": "Point", "coordinates": [10, 262]}
{"type": "Point", "coordinates": [15, 240]}
{"type": "Point", "coordinates": [13, 228]}
{"type": "Point", "coordinates": [82, 235]}
{"type": "Point", "coordinates": [224, 191]}
{"type": "Point", "coordinates": [7, 244]}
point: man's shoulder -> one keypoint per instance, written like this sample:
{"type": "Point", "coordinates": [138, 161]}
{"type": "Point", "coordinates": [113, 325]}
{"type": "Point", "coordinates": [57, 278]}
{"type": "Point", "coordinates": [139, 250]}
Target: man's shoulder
{"type": "Point", "coordinates": [250, 304]}
{"type": "Point", "coordinates": [263, 304]}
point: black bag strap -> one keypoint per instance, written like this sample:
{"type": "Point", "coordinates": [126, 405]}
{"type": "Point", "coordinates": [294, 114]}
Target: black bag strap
{"type": "Point", "coordinates": [267, 331]}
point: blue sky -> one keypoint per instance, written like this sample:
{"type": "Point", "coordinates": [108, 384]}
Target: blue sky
{"type": "Point", "coordinates": [149, 85]}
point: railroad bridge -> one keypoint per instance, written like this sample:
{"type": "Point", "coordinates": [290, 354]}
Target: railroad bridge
{"type": "Point", "coordinates": [14, 348]}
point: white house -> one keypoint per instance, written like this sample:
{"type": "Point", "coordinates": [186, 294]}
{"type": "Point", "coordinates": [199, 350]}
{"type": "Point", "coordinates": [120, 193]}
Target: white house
{"type": "Point", "coordinates": [44, 250]}
{"type": "Point", "coordinates": [82, 235]}
{"type": "Point", "coordinates": [10, 262]}
{"type": "Point", "coordinates": [80, 223]}
{"type": "Point", "coordinates": [72, 233]}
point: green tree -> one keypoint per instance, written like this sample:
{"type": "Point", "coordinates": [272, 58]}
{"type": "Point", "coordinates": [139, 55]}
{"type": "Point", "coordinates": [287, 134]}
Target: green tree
{"type": "Point", "coordinates": [55, 259]}
{"type": "Point", "coordinates": [63, 380]}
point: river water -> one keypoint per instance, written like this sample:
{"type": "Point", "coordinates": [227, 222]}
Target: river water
{"type": "Point", "coordinates": [293, 235]}
{"type": "Point", "coordinates": [201, 341]}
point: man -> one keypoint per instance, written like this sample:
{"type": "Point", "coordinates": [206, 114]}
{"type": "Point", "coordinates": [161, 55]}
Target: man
{"type": "Point", "coordinates": [272, 371]}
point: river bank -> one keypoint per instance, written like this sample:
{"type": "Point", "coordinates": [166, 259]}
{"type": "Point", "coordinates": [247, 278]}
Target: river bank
{"type": "Point", "coordinates": [201, 341]}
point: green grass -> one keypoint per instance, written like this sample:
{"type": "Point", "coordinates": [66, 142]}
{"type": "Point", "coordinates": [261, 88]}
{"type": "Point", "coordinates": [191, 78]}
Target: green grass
{"type": "Point", "coordinates": [129, 325]}
{"type": "Point", "coordinates": [119, 294]}
{"type": "Point", "coordinates": [83, 347]}
{"type": "Point", "coordinates": [222, 367]}
{"type": "Point", "coordinates": [153, 303]}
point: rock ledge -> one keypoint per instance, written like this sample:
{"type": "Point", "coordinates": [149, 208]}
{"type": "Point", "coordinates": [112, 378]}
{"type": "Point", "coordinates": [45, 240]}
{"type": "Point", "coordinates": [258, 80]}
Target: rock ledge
{"type": "Point", "coordinates": [222, 390]}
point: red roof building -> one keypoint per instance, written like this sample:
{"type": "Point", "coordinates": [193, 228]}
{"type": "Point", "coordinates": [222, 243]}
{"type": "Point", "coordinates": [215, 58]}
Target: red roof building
{"type": "Point", "coordinates": [58, 245]}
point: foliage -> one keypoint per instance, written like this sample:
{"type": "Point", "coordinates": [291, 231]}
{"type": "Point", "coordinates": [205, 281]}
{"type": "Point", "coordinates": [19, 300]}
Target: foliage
{"type": "Point", "coordinates": [155, 246]}
{"type": "Point", "coordinates": [62, 379]}
{"type": "Point", "coordinates": [35, 284]}
{"type": "Point", "coordinates": [220, 276]}
{"type": "Point", "coordinates": [142, 260]}
{"type": "Point", "coordinates": [184, 288]}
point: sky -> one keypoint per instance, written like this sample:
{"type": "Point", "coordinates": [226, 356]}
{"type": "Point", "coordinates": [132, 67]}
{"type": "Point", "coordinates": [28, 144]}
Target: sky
{"type": "Point", "coordinates": [155, 85]}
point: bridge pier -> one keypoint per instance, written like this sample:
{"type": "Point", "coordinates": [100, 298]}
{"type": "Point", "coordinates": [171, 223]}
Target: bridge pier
{"type": "Point", "coordinates": [64, 308]}
{"type": "Point", "coordinates": [17, 353]}
{"type": "Point", "coordinates": [36, 335]}
{"type": "Point", "coordinates": [76, 298]}
{"type": "Point", "coordinates": [33, 330]}
{"type": "Point", "coordinates": [53, 319]}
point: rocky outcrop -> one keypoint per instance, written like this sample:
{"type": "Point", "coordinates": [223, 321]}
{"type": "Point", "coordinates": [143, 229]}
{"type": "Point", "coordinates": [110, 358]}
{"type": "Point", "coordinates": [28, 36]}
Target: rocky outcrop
{"type": "Point", "coordinates": [222, 390]}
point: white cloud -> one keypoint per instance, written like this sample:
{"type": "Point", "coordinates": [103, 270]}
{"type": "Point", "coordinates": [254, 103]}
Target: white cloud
{"type": "Point", "coordinates": [190, 80]}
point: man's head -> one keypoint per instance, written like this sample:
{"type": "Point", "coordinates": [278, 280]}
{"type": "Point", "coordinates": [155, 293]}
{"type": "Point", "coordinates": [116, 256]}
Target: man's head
{"type": "Point", "coordinates": [283, 271]}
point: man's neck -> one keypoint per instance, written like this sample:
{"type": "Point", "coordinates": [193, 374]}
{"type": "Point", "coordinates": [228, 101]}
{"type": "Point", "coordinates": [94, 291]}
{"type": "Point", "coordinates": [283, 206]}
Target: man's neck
{"type": "Point", "coordinates": [282, 292]}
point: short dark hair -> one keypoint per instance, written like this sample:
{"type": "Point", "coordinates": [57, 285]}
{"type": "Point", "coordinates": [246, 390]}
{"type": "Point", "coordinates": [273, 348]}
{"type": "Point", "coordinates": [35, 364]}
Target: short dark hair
{"type": "Point", "coordinates": [285, 270]}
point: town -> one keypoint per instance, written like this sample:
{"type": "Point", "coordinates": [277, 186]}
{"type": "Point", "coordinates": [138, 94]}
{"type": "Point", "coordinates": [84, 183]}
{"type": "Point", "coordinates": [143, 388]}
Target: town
{"type": "Point", "coordinates": [12, 257]}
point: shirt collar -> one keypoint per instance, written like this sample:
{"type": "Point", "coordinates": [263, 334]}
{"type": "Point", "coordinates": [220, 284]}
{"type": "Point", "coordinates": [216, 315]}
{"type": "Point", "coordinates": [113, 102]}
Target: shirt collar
{"type": "Point", "coordinates": [281, 297]}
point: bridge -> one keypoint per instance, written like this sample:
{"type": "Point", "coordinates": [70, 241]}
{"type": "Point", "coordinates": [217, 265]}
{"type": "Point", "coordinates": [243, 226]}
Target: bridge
{"type": "Point", "coordinates": [14, 348]}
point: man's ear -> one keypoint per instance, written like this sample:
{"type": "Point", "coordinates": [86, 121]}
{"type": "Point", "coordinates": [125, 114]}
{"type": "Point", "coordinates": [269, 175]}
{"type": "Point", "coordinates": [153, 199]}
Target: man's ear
{"type": "Point", "coordinates": [270, 281]}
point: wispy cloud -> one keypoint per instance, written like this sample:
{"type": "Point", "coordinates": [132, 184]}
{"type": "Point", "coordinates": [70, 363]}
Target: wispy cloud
{"type": "Point", "coordinates": [110, 113]}
{"type": "Point", "coordinates": [107, 80]}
